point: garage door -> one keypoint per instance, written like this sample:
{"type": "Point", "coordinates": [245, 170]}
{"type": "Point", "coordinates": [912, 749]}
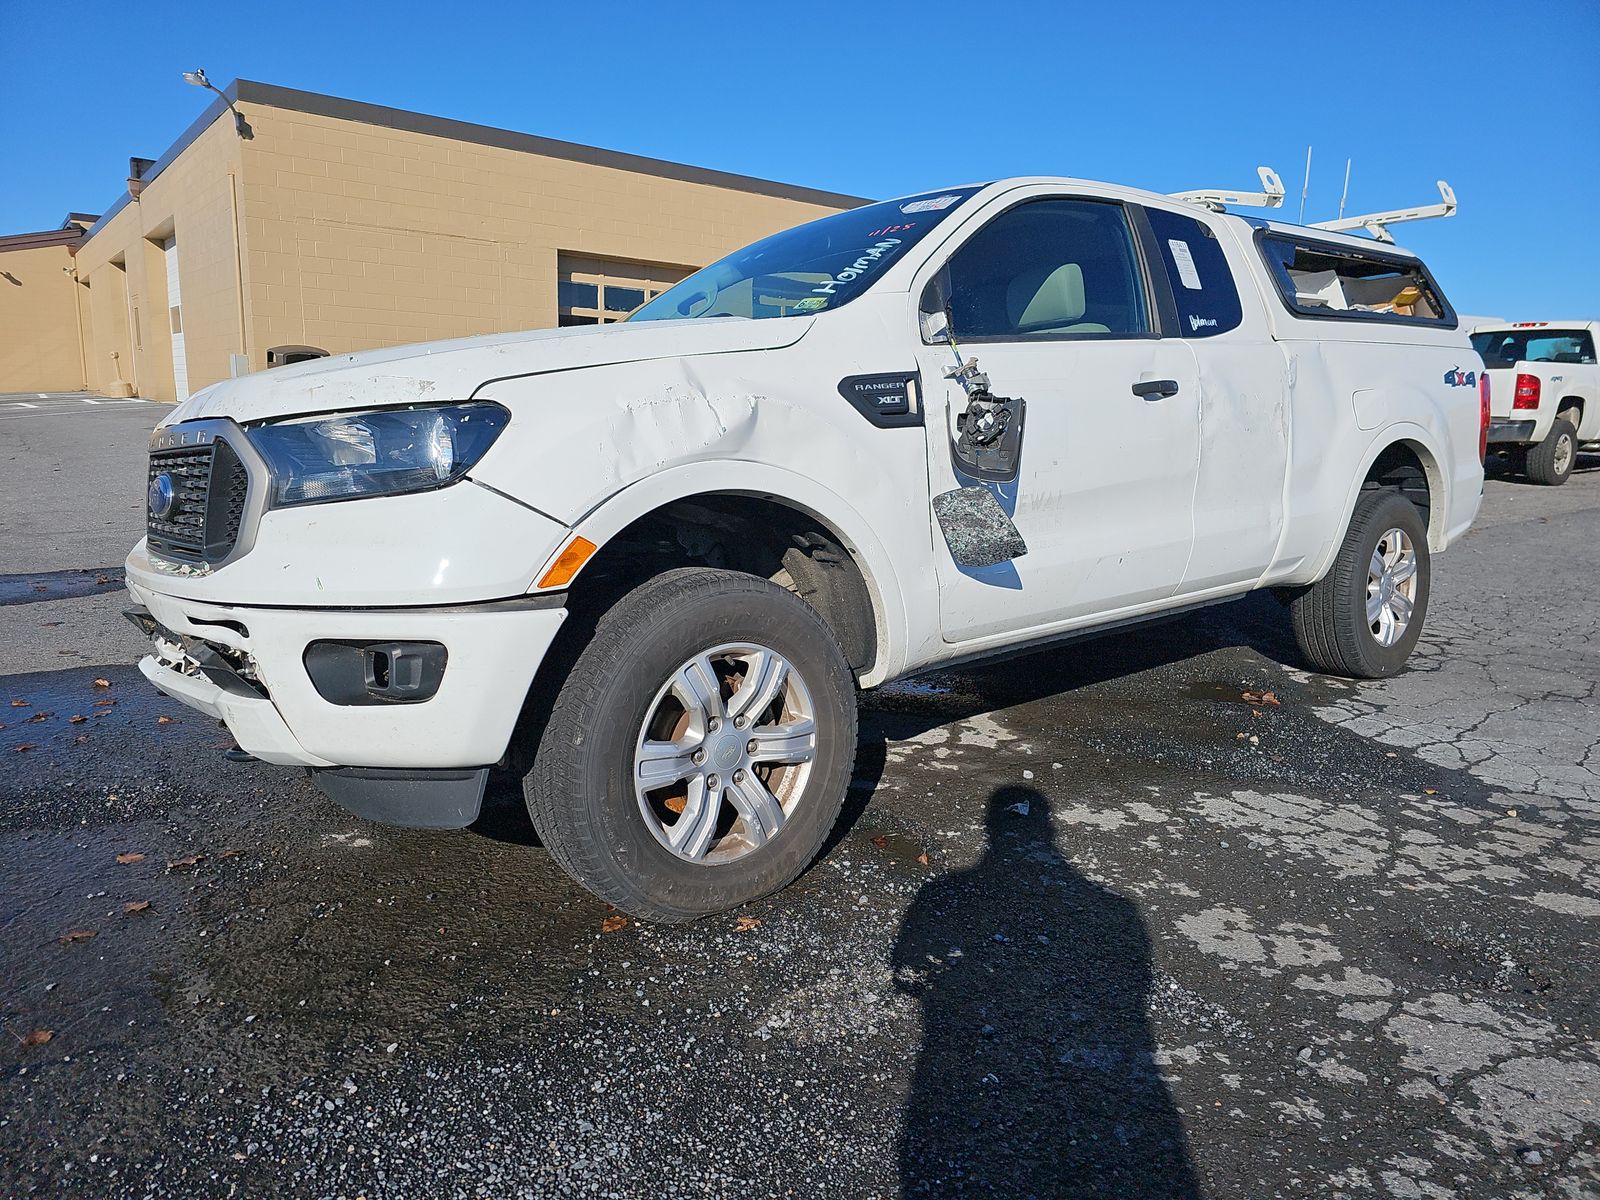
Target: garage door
{"type": "Point", "coordinates": [180, 364]}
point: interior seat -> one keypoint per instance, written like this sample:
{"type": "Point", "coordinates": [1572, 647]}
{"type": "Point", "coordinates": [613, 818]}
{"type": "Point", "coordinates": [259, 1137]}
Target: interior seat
{"type": "Point", "coordinates": [1050, 303]}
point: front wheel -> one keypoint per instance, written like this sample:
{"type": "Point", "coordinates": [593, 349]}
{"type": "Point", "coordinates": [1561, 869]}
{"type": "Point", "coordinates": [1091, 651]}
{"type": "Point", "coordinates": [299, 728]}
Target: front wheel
{"type": "Point", "coordinates": [1363, 618]}
{"type": "Point", "coordinates": [699, 751]}
{"type": "Point", "coordinates": [1550, 462]}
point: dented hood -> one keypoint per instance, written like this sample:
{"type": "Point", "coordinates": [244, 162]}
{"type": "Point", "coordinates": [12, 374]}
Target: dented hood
{"type": "Point", "coordinates": [453, 370]}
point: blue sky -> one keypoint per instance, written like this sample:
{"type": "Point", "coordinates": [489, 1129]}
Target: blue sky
{"type": "Point", "coordinates": [878, 99]}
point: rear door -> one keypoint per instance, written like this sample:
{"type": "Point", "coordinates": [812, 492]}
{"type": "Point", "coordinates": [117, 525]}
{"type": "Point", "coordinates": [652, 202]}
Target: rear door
{"type": "Point", "coordinates": [1244, 397]}
{"type": "Point", "coordinates": [1051, 297]}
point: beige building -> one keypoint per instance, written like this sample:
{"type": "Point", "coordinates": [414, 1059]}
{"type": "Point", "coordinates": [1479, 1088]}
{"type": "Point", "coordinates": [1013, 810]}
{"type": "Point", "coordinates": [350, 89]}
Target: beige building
{"type": "Point", "coordinates": [316, 225]}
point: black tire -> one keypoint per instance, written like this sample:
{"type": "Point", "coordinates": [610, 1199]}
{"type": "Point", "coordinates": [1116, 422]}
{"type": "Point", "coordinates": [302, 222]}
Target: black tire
{"type": "Point", "coordinates": [1330, 616]}
{"type": "Point", "coordinates": [1550, 462]}
{"type": "Point", "coordinates": [580, 791]}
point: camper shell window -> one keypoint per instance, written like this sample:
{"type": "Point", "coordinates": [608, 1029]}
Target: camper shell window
{"type": "Point", "coordinates": [1333, 282]}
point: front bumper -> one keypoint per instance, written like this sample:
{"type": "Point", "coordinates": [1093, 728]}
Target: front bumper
{"type": "Point", "coordinates": [275, 712]}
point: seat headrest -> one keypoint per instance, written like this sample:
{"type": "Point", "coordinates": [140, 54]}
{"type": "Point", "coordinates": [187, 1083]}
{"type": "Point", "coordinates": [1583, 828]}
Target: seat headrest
{"type": "Point", "coordinates": [1038, 299]}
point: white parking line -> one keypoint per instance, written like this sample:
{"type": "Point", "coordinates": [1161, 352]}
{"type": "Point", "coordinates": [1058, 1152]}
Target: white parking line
{"type": "Point", "coordinates": [65, 410]}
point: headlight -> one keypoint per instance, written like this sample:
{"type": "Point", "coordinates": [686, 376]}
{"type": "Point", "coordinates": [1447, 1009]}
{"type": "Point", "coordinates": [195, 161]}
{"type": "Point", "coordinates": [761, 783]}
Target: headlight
{"type": "Point", "coordinates": [339, 456]}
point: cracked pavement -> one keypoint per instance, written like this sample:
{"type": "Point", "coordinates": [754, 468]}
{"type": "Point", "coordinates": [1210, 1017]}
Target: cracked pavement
{"type": "Point", "coordinates": [1093, 925]}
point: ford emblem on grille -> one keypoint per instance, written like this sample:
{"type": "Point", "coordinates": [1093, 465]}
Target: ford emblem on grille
{"type": "Point", "coordinates": [161, 495]}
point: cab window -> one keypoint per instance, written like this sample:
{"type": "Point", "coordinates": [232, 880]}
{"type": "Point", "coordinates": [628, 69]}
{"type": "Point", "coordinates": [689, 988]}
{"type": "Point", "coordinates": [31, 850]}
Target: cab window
{"type": "Point", "coordinates": [1506, 348]}
{"type": "Point", "coordinates": [1202, 283]}
{"type": "Point", "coordinates": [1049, 269]}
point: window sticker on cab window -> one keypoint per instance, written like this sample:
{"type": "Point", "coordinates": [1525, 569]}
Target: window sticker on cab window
{"type": "Point", "coordinates": [933, 205]}
{"type": "Point", "coordinates": [1183, 259]}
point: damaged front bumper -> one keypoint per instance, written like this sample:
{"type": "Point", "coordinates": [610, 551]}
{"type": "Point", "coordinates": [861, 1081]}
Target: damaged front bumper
{"type": "Point", "coordinates": [250, 669]}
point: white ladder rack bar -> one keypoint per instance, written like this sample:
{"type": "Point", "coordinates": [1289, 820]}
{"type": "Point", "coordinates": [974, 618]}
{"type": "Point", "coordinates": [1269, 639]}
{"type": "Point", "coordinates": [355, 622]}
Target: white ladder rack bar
{"type": "Point", "coordinates": [1216, 199]}
{"type": "Point", "coordinates": [1376, 223]}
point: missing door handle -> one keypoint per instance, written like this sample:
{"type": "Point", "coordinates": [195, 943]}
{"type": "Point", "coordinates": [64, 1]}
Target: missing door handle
{"type": "Point", "coordinates": [1155, 389]}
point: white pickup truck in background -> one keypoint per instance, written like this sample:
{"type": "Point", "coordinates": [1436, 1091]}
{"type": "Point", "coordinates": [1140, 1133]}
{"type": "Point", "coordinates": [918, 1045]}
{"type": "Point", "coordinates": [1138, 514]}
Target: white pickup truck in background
{"type": "Point", "coordinates": [1544, 393]}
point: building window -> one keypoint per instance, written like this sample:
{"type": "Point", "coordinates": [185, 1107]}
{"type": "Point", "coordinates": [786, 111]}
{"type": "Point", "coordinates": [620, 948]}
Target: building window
{"type": "Point", "coordinates": [598, 291]}
{"type": "Point", "coordinates": [285, 356]}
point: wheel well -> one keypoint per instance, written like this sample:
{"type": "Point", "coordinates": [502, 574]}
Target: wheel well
{"type": "Point", "coordinates": [741, 533]}
{"type": "Point", "coordinates": [1570, 402]}
{"type": "Point", "coordinates": [1409, 470]}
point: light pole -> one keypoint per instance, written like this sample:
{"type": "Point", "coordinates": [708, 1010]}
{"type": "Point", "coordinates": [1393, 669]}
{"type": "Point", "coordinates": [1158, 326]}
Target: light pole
{"type": "Point", "coordinates": [197, 77]}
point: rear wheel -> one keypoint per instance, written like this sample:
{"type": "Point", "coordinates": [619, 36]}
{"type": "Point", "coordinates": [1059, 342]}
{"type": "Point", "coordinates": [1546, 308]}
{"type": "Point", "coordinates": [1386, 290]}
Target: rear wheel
{"type": "Point", "coordinates": [1550, 462]}
{"type": "Point", "coordinates": [1363, 618]}
{"type": "Point", "coordinates": [699, 751]}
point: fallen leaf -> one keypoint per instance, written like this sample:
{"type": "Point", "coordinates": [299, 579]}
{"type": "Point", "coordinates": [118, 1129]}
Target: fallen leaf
{"type": "Point", "coordinates": [103, 580]}
{"type": "Point", "coordinates": [22, 749]}
{"type": "Point", "coordinates": [612, 924]}
{"type": "Point", "coordinates": [40, 716]}
{"type": "Point", "coordinates": [674, 804]}
{"type": "Point", "coordinates": [1430, 791]}
{"type": "Point", "coordinates": [166, 720]}
{"type": "Point", "coordinates": [745, 924]}
{"type": "Point", "coordinates": [76, 935]}
{"type": "Point", "coordinates": [184, 863]}
{"type": "Point", "coordinates": [133, 906]}
{"type": "Point", "coordinates": [77, 719]}
{"type": "Point", "coordinates": [106, 703]}
{"type": "Point", "coordinates": [881, 841]}
{"type": "Point", "coordinates": [101, 683]}
{"type": "Point", "coordinates": [229, 854]}
{"type": "Point", "coordinates": [923, 858]}
{"type": "Point", "coordinates": [19, 704]}
{"type": "Point", "coordinates": [37, 1037]}
{"type": "Point", "coordinates": [1261, 698]}
{"type": "Point", "coordinates": [81, 738]}
{"type": "Point", "coordinates": [130, 856]}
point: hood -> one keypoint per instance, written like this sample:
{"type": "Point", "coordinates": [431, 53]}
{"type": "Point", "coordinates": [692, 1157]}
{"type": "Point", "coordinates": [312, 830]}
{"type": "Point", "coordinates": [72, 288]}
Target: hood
{"type": "Point", "coordinates": [453, 370]}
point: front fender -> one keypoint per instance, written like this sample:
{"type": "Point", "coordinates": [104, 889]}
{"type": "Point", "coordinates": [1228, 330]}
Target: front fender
{"type": "Point", "coordinates": [766, 481]}
{"type": "Point", "coordinates": [599, 448]}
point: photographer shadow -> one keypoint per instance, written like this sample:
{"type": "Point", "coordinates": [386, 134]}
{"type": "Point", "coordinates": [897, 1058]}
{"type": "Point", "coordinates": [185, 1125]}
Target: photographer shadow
{"type": "Point", "coordinates": [1036, 1074]}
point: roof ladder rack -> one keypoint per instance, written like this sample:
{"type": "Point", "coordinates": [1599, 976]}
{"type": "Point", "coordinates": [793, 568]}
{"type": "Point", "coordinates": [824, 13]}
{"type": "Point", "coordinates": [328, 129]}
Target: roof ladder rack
{"type": "Point", "coordinates": [1376, 223]}
{"type": "Point", "coordinates": [1271, 195]}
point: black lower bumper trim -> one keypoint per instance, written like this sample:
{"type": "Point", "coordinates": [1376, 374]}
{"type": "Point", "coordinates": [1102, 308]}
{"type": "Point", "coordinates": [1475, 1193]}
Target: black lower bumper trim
{"type": "Point", "coordinates": [436, 799]}
{"type": "Point", "coordinates": [1510, 431]}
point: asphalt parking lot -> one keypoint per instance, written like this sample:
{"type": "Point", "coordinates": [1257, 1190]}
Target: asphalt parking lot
{"type": "Point", "coordinates": [1094, 924]}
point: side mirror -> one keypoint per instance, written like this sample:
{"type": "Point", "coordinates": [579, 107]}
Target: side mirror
{"type": "Point", "coordinates": [934, 308]}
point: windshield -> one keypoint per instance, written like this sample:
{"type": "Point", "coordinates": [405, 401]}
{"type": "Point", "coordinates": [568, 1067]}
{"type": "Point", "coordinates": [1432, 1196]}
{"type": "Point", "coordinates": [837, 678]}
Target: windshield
{"type": "Point", "coordinates": [1507, 347]}
{"type": "Point", "coordinates": [809, 268]}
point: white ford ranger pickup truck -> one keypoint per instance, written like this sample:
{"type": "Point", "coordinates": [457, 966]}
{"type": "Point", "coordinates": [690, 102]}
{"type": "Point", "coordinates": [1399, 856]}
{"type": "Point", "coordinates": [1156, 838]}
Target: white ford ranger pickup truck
{"type": "Point", "coordinates": [647, 566]}
{"type": "Point", "coordinates": [1544, 393]}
